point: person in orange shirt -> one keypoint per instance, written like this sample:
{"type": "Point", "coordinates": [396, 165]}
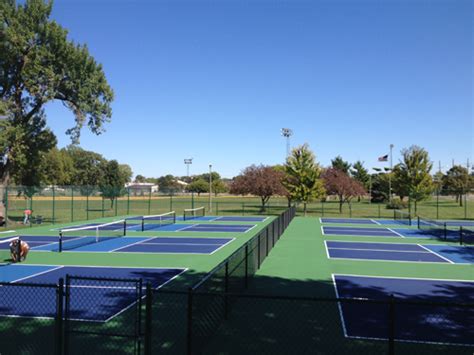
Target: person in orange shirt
{"type": "Point", "coordinates": [27, 214]}
{"type": "Point", "coordinates": [24, 249]}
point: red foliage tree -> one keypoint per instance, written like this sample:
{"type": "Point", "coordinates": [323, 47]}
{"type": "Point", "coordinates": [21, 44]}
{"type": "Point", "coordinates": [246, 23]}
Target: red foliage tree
{"type": "Point", "coordinates": [342, 185]}
{"type": "Point", "coordinates": [263, 181]}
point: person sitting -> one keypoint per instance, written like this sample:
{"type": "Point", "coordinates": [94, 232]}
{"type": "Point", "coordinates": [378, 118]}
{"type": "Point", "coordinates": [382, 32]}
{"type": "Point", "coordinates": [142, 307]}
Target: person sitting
{"type": "Point", "coordinates": [20, 247]}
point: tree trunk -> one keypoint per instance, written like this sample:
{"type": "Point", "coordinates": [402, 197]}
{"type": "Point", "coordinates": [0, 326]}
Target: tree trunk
{"type": "Point", "coordinates": [341, 202]}
{"type": "Point", "coordinates": [460, 200]}
{"type": "Point", "coordinates": [112, 203]}
{"type": "Point", "coordinates": [416, 206]}
{"type": "Point", "coordinates": [4, 181]}
{"type": "Point", "coordinates": [304, 204]}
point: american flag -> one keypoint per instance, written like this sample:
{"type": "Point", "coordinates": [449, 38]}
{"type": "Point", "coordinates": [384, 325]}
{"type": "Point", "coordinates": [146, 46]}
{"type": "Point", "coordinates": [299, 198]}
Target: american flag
{"type": "Point", "coordinates": [383, 158]}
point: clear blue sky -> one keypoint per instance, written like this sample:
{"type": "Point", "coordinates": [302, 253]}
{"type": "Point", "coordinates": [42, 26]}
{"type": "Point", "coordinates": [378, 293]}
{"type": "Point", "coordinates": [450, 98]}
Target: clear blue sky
{"type": "Point", "coordinates": [217, 80]}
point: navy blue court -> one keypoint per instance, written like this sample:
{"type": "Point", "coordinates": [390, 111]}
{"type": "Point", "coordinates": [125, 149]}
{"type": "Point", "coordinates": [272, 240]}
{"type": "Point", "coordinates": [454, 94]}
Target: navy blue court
{"type": "Point", "coordinates": [176, 245]}
{"type": "Point", "coordinates": [399, 252]}
{"type": "Point", "coordinates": [363, 232]}
{"type": "Point", "coordinates": [414, 322]}
{"type": "Point", "coordinates": [104, 301]}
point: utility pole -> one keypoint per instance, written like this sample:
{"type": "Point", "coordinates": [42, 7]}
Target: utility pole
{"type": "Point", "coordinates": [210, 187]}
{"type": "Point", "coordinates": [390, 175]}
{"type": "Point", "coordinates": [188, 162]}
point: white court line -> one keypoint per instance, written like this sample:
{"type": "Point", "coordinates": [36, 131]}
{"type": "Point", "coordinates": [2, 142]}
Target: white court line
{"type": "Point", "coordinates": [391, 230]}
{"type": "Point", "coordinates": [406, 278]}
{"type": "Point", "coordinates": [38, 273]}
{"type": "Point", "coordinates": [438, 255]}
{"type": "Point", "coordinates": [128, 245]}
{"type": "Point", "coordinates": [326, 248]}
{"type": "Point", "coordinates": [322, 230]}
{"type": "Point", "coordinates": [341, 313]}
{"type": "Point", "coordinates": [376, 222]}
{"type": "Point", "coordinates": [222, 246]}
{"type": "Point", "coordinates": [7, 232]}
{"type": "Point", "coordinates": [426, 251]}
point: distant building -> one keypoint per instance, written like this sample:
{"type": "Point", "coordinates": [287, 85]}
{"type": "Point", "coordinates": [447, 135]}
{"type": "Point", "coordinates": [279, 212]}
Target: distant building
{"type": "Point", "coordinates": [141, 187]}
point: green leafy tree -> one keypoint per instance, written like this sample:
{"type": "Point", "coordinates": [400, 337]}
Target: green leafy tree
{"type": "Point", "coordinates": [56, 168]}
{"type": "Point", "coordinates": [302, 179]}
{"type": "Point", "coordinates": [113, 181]}
{"type": "Point", "coordinates": [341, 164]}
{"type": "Point", "coordinates": [399, 184]}
{"type": "Point", "coordinates": [126, 172]}
{"type": "Point", "coordinates": [38, 64]}
{"type": "Point", "coordinates": [168, 184]}
{"type": "Point", "coordinates": [140, 179]}
{"type": "Point", "coordinates": [218, 187]}
{"type": "Point", "coordinates": [457, 182]}
{"type": "Point", "coordinates": [361, 174]}
{"type": "Point", "coordinates": [198, 186]}
{"type": "Point", "coordinates": [413, 173]}
{"type": "Point", "coordinates": [380, 187]}
{"type": "Point", "coordinates": [89, 168]}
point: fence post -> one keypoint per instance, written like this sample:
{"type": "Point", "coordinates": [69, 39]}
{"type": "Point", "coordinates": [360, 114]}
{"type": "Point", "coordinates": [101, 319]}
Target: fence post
{"type": "Point", "coordinates": [226, 290]}
{"type": "Point", "coordinates": [103, 207]}
{"type": "Point", "coordinates": [350, 210]}
{"type": "Point", "coordinates": [380, 213]}
{"type": "Point", "coordinates": [128, 201]}
{"type": "Point", "coordinates": [148, 319]}
{"type": "Point", "coordinates": [192, 199]}
{"type": "Point", "coordinates": [322, 208]}
{"type": "Point", "coordinates": [246, 266]}
{"type": "Point", "coordinates": [465, 205]}
{"type": "Point", "coordinates": [217, 208]}
{"type": "Point", "coordinates": [258, 251]}
{"type": "Point", "coordinates": [59, 317]}
{"type": "Point", "coordinates": [72, 203]}
{"type": "Point", "coordinates": [391, 334]}
{"type": "Point", "coordinates": [54, 198]}
{"type": "Point", "coordinates": [243, 208]}
{"type": "Point", "coordinates": [189, 342]}
{"type": "Point", "coordinates": [6, 206]}
{"type": "Point", "coordinates": [67, 295]}
{"type": "Point", "coordinates": [266, 238]}
{"type": "Point", "coordinates": [437, 203]}
{"type": "Point", "coordinates": [171, 202]}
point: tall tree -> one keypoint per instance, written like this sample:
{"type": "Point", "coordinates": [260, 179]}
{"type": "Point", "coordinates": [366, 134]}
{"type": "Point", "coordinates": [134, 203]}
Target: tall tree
{"type": "Point", "coordinates": [56, 168]}
{"type": "Point", "coordinates": [140, 178]}
{"type": "Point", "coordinates": [198, 186]}
{"type": "Point", "coordinates": [342, 185]}
{"type": "Point", "coordinates": [168, 184]}
{"type": "Point", "coordinates": [263, 181]}
{"type": "Point", "coordinates": [38, 64]}
{"type": "Point", "coordinates": [341, 164]}
{"type": "Point", "coordinates": [302, 176]}
{"type": "Point", "coordinates": [88, 168]}
{"type": "Point", "coordinates": [113, 181]}
{"type": "Point", "coordinates": [361, 174]}
{"type": "Point", "coordinates": [218, 187]}
{"type": "Point", "coordinates": [457, 182]}
{"type": "Point", "coordinates": [414, 174]}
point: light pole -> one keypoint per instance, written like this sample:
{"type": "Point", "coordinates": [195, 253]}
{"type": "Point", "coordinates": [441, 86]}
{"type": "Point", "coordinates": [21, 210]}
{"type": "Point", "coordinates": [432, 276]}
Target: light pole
{"type": "Point", "coordinates": [210, 187]}
{"type": "Point", "coordinates": [390, 176]}
{"type": "Point", "coordinates": [188, 162]}
{"type": "Point", "coordinates": [287, 133]}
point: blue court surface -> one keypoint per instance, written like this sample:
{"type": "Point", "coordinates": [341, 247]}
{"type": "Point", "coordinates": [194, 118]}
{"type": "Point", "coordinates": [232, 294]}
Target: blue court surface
{"type": "Point", "coordinates": [90, 301]}
{"type": "Point", "coordinates": [399, 252]}
{"type": "Point", "coordinates": [364, 221]}
{"type": "Point", "coordinates": [206, 227]}
{"type": "Point", "coordinates": [362, 232]}
{"type": "Point", "coordinates": [414, 322]}
{"type": "Point", "coordinates": [175, 245]}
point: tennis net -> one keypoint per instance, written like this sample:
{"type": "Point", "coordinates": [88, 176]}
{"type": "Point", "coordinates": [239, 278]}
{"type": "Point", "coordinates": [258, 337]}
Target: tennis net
{"type": "Point", "coordinates": [155, 221]}
{"type": "Point", "coordinates": [9, 250]}
{"type": "Point", "coordinates": [402, 217]}
{"type": "Point", "coordinates": [191, 213]}
{"type": "Point", "coordinates": [433, 227]}
{"type": "Point", "coordinates": [466, 235]}
{"type": "Point", "coordinates": [73, 238]}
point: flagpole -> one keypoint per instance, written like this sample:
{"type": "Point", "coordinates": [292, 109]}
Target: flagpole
{"type": "Point", "coordinates": [390, 176]}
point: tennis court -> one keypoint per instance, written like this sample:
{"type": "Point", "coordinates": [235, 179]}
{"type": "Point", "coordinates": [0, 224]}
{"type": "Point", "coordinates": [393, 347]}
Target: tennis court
{"type": "Point", "coordinates": [361, 232]}
{"type": "Point", "coordinates": [103, 302]}
{"type": "Point", "coordinates": [415, 322]}
{"type": "Point", "coordinates": [399, 252]}
{"type": "Point", "coordinates": [175, 245]}
{"type": "Point", "coordinates": [362, 221]}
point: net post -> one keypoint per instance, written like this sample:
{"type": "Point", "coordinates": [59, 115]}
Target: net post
{"type": "Point", "coordinates": [60, 248]}
{"type": "Point", "coordinates": [148, 319]}
{"type": "Point", "coordinates": [445, 230]}
{"type": "Point", "coordinates": [418, 222]}
{"type": "Point", "coordinates": [143, 224]}
{"type": "Point", "coordinates": [124, 227]}
{"type": "Point", "coordinates": [59, 317]}
{"type": "Point", "coordinates": [460, 236]}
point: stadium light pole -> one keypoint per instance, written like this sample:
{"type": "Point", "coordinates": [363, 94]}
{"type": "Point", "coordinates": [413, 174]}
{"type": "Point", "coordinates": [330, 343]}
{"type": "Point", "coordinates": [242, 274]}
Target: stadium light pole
{"type": "Point", "coordinates": [210, 187]}
{"type": "Point", "coordinates": [287, 133]}
{"type": "Point", "coordinates": [188, 162]}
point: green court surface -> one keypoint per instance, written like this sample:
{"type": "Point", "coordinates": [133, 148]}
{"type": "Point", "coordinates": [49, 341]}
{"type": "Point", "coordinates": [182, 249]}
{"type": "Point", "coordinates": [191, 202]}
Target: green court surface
{"type": "Point", "coordinates": [298, 266]}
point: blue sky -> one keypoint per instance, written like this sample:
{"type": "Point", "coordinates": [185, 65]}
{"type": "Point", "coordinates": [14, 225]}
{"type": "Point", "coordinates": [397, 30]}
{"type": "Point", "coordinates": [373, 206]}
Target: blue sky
{"type": "Point", "coordinates": [217, 80]}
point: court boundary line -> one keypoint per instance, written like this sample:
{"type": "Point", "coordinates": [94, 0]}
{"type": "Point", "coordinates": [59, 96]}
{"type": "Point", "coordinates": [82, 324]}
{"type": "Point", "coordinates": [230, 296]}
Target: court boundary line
{"type": "Point", "coordinates": [222, 246]}
{"type": "Point", "coordinates": [391, 230]}
{"type": "Point", "coordinates": [341, 315]}
{"type": "Point", "coordinates": [376, 222]}
{"type": "Point", "coordinates": [365, 236]}
{"type": "Point", "coordinates": [129, 245]}
{"type": "Point", "coordinates": [438, 255]}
